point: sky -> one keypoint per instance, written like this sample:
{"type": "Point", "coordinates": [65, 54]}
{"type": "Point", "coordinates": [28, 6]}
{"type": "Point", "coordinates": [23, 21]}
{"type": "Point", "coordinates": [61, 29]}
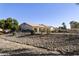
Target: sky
{"type": "Point", "coordinates": [52, 14]}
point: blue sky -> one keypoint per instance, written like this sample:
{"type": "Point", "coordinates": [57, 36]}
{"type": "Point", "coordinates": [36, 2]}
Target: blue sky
{"type": "Point", "coordinates": [49, 14]}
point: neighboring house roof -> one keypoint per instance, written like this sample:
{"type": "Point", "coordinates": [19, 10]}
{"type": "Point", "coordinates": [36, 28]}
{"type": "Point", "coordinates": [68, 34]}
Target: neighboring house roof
{"type": "Point", "coordinates": [25, 26]}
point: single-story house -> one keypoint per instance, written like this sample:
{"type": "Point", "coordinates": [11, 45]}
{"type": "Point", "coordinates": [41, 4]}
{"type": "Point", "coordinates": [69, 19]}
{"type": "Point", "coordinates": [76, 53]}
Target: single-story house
{"type": "Point", "coordinates": [26, 28]}
{"type": "Point", "coordinates": [37, 28]}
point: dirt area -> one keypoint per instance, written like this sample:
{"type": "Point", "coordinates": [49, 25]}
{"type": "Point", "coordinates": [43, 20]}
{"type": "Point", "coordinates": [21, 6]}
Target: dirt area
{"type": "Point", "coordinates": [16, 49]}
{"type": "Point", "coordinates": [65, 43]}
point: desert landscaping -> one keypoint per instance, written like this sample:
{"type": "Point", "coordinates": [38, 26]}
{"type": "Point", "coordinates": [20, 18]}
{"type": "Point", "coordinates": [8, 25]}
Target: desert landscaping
{"type": "Point", "coordinates": [52, 44]}
{"type": "Point", "coordinates": [38, 39]}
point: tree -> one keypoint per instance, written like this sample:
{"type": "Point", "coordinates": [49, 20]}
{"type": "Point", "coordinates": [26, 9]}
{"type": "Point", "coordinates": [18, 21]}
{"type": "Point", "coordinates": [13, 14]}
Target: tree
{"type": "Point", "coordinates": [9, 23]}
{"type": "Point", "coordinates": [15, 25]}
{"type": "Point", "coordinates": [64, 26]}
{"type": "Point", "coordinates": [74, 24]}
{"type": "Point", "coordinates": [2, 23]}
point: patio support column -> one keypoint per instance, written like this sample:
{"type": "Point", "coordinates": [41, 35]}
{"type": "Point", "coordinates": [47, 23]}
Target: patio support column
{"type": "Point", "coordinates": [38, 30]}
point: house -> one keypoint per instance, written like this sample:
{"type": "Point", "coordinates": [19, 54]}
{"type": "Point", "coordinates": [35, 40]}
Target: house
{"type": "Point", "coordinates": [51, 29]}
{"type": "Point", "coordinates": [37, 28]}
{"type": "Point", "coordinates": [26, 28]}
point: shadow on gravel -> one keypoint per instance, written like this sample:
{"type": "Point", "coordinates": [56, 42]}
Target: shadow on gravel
{"type": "Point", "coordinates": [32, 54]}
{"type": "Point", "coordinates": [23, 36]}
{"type": "Point", "coordinates": [72, 53]}
{"type": "Point", "coordinates": [18, 50]}
{"type": "Point", "coordinates": [23, 52]}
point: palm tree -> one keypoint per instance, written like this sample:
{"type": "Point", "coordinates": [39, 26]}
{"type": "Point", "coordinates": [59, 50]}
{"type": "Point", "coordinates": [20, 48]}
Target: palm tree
{"type": "Point", "coordinates": [64, 26]}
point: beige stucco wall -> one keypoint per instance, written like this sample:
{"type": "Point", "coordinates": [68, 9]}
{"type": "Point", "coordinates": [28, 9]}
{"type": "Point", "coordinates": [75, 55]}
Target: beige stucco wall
{"type": "Point", "coordinates": [39, 29]}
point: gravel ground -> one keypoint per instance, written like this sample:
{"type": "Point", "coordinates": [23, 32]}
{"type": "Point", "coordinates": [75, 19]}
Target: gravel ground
{"type": "Point", "coordinates": [66, 44]}
{"type": "Point", "coordinates": [17, 49]}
